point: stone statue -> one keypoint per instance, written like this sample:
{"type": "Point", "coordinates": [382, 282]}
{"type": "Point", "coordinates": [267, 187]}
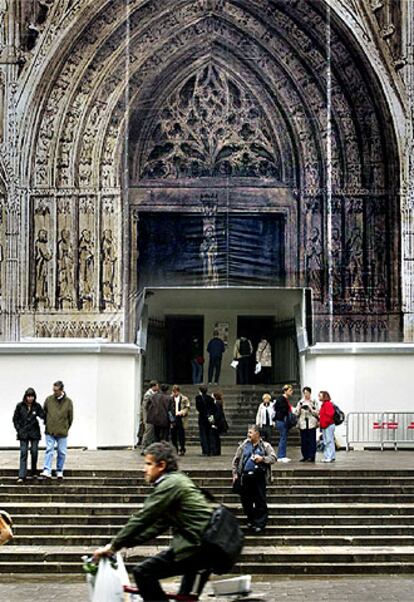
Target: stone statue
{"type": "Point", "coordinates": [65, 285]}
{"type": "Point", "coordinates": [108, 267]}
{"type": "Point", "coordinates": [86, 269]}
{"type": "Point", "coordinates": [1, 262]}
{"type": "Point", "coordinates": [314, 263]}
{"type": "Point", "coordinates": [354, 254]}
{"type": "Point", "coordinates": [42, 257]}
{"type": "Point", "coordinates": [208, 254]}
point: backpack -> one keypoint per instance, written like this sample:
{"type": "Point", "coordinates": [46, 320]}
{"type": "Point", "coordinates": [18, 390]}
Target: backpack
{"type": "Point", "coordinates": [339, 415]}
{"type": "Point", "coordinates": [244, 347]}
{"type": "Point", "coordinates": [223, 540]}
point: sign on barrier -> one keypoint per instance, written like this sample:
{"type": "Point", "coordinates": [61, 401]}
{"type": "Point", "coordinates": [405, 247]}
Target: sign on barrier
{"type": "Point", "coordinates": [380, 428]}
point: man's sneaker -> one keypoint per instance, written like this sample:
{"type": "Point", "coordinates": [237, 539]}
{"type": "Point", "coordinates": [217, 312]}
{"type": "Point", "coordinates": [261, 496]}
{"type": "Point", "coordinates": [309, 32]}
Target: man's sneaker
{"type": "Point", "coordinates": [46, 475]}
{"type": "Point", "coordinates": [60, 475]}
{"type": "Point", "coordinates": [20, 481]}
{"type": "Point", "coordinates": [284, 460]}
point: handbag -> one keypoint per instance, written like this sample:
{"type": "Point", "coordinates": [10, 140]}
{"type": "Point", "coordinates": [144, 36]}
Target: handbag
{"type": "Point", "coordinates": [291, 420]}
{"type": "Point", "coordinates": [6, 533]}
{"type": "Point", "coordinates": [223, 540]}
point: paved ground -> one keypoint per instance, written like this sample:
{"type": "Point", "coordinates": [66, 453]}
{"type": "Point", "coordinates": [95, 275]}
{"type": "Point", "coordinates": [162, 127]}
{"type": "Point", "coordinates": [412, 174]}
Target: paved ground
{"type": "Point", "coordinates": [346, 589]}
{"type": "Point", "coordinates": [131, 459]}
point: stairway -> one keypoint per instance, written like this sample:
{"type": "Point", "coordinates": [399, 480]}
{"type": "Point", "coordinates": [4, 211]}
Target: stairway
{"type": "Point", "coordinates": [240, 406]}
{"type": "Point", "coordinates": [322, 521]}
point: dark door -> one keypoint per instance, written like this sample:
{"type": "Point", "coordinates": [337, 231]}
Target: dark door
{"type": "Point", "coordinates": [253, 327]}
{"type": "Point", "coordinates": [181, 330]}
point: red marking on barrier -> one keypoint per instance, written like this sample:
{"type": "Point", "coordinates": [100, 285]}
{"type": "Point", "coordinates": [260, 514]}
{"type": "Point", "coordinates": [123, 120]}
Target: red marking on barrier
{"type": "Point", "coordinates": [391, 425]}
{"type": "Point", "coordinates": [377, 426]}
{"type": "Point", "coordinates": [411, 425]}
{"type": "Point", "coordinates": [386, 425]}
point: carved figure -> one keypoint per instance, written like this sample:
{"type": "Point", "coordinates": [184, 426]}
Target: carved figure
{"type": "Point", "coordinates": [65, 287]}
{"type": "Point", "coordinates": [314, 263]}
{"type": "Point", "coordinates": [86, 269]}
{"type": "Point", "coordinates": [208, 254]}
{"type": "Point", "coordinates": [1, 262]}
{"type": "Point", "coordinates": [108, 267]}
{"type": "Point", "coordinates": [42, 257]}
{"type": "Point", "coordinates": [336, 248]}
{"type": "Point", "coordinates": [354, 255]}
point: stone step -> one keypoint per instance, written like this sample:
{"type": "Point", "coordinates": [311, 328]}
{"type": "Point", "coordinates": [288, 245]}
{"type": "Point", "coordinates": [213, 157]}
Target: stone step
{"type": "Point", "coordinates": [101, 538]}
{"type": "Point", "coordinates": [275, 510]}
{"type": "Point", "coordinates": [299, 523]}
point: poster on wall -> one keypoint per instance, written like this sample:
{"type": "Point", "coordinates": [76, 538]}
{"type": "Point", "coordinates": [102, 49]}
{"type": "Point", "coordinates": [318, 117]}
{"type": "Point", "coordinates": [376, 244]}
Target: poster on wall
{"type": "Point", "coordinates": [223, 331]}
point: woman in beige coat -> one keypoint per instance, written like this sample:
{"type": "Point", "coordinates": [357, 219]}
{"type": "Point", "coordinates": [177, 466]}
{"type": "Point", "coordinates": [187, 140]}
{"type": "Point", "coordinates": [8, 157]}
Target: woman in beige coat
{"type": "Point", "coordinates": [264, 357]}
{"type": "Point", "coordinates": [308, 421]}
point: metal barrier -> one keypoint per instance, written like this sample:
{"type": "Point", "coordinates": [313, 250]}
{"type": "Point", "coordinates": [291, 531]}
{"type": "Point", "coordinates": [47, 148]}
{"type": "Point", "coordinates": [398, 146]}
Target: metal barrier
{"type": "Point", "coordinates": [380, 428]}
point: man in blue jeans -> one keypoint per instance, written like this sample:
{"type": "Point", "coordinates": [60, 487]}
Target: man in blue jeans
{"type": "Point", "coordinates": [58, 410]}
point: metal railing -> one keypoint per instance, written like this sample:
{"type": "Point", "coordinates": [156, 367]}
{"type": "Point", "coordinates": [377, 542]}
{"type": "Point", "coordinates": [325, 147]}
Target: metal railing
{"type": "Point", "coordinates": [380, 428]}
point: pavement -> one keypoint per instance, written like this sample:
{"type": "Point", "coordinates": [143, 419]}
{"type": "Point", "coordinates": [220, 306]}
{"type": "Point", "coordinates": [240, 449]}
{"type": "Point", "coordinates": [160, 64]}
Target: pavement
{"type": "Point", "coordinates": [335, 589]}
{"type": "Point", "coordinates": [131, 459]}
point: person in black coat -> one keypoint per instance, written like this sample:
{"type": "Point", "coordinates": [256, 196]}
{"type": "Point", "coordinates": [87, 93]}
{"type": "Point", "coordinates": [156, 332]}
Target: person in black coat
{"type": "Point", "coordinates": [220, 426]}
{"type": "Point", "coordinates": [160, 413]}
{"type": "Point", "coordinates": [206, 409]}
{"type": "Point", "coordinates": [26, 423]}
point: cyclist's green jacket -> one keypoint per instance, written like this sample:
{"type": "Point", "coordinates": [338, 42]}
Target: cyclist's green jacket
{"type": "Point", "coordinates": [176, 502]}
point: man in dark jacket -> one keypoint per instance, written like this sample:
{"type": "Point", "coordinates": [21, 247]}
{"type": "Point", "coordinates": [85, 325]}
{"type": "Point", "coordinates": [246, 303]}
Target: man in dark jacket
{"type": "Point", "coordinates": [206, 409]}
{"type": "Point", "coordinates": [215, 349]}
{"type": "Point", "coordinates": [176, 503]}
{"type": "Point", "coordinates": [160, 413]}
{"type": "Point", "coordinates": [58, 417]}
{"type": "Point", "coordinates": [26, 422]}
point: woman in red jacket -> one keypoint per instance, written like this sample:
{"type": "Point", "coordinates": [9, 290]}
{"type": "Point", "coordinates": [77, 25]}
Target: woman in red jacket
{"type": "Point", "coordinates": [327, 425]}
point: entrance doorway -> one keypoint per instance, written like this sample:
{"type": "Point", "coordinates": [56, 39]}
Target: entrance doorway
{"type": "Point", "coordinates": [181, 332]}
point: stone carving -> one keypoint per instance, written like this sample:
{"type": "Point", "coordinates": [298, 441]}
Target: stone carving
{"type": "Point", "coordinates": [43, 255]}
{"type": "Point", "coordinates": [1, 269]}
{"type": "Point", "coordinates": [108, 268]}
{"type": "Point", "coordinates": [314, 263]}
{"type": "Point", "coordinates": [86, 270]}
{"type": "Point", "coordinates": [65, 276]}
{"type": "Point", "coordinates": [354, 262]}
{"type": "Point", "coordinates": [105, 329]}
{"type": "Point", "coordinates": [210, 127]}
{"type": "Point", "coordinates": [208, 254]}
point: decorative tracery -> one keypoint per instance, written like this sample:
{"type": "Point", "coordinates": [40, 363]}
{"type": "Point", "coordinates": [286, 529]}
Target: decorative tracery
{"type": "Point", "coordinates": [210, 126]}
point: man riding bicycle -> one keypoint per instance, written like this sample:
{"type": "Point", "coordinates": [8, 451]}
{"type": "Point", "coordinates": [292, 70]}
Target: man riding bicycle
{"type": "Point", "coordinates": [176, 503]}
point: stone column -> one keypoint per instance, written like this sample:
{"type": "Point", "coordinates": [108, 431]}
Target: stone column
{"type": "Point", "coordinates": [407, 188]}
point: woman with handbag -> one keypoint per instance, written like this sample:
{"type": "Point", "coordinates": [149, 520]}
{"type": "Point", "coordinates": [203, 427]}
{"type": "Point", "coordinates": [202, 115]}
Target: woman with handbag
{"type": "Point", "coordinates": [26, 422]}
{"type": "Point", "coordinates": [308, 419]}
{"type": "Point", "coordinates": [326, 417]}
{"type": "Point", "coordinates": [283, 416]}
{"type": "Point", "coordinates": [264, 361]}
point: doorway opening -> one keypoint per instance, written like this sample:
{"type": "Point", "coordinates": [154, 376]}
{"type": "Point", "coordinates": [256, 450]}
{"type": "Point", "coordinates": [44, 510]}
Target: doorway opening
{"type": "Point", "coordinates": [181, 332]}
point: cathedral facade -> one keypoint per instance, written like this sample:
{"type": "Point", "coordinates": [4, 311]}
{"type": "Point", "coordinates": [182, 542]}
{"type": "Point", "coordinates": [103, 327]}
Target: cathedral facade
{"type": "Point", "coordinates": [206, 143]}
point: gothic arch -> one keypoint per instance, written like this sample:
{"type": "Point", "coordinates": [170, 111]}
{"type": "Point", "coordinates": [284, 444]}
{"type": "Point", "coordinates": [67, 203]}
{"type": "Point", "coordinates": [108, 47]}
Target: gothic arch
{"type": "Point", "coordinates": [338, 152]}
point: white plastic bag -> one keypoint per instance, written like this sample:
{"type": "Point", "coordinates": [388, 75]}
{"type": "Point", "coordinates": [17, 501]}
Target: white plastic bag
{"type": "Point", "coordinates": [108, 583]}
{"type": "Point", "coordinates": [258, 368]}
{"type": "Point", "coordinates": [234, 364]}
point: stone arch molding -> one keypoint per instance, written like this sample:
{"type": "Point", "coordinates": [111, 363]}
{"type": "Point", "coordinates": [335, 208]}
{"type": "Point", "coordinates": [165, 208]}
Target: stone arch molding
{"type": "Point", "coordinates": [119, 61]}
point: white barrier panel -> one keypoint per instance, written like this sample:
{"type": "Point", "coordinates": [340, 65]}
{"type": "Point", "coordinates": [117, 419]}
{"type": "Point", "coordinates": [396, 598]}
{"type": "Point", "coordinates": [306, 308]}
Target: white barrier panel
{"type": "Point", "coordinates": [380, 428]}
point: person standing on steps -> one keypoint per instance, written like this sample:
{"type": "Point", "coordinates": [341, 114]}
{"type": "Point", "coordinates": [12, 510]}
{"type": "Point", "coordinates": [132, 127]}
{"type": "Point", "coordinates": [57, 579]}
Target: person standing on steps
{"type": "Point", "coordinates": [327, 424]}
{"type": "Point", "coordinates": [197, 361]}
{"type": "Point", "coordinates": [308, 420]}
{"type": "Point", "coordinates": [181, 405]}
{"type": "Point", "coordinates": [215, 349]}
{"type": "Point", "coordinates": [148, 429]}
{"type": "Point", "coordinates": [265, 417]}
{"type": "Point", "coordinates": [26, 418]}
{"type": "Point", "coordinates": [252, 468]}
{"type": "Point", "coordinates": [219, 426]}
{"type": "Point", "coordinates": [206, 409]}
{"type": "Point", "coordinates": [161, 414]}
{"type": "Point", "coordinates": [242, 353]}
{"type": "Point", "coordinates": [264, 358]}
{"type": "Point", "coordinates": [58, 410]}
{"type": "Point", "coordinates": [282, 408]}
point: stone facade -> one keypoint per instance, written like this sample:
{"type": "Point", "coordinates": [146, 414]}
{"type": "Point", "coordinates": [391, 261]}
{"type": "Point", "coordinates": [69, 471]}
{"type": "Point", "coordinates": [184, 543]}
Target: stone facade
{"type": "Point", "coordinates": [110, 109]}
